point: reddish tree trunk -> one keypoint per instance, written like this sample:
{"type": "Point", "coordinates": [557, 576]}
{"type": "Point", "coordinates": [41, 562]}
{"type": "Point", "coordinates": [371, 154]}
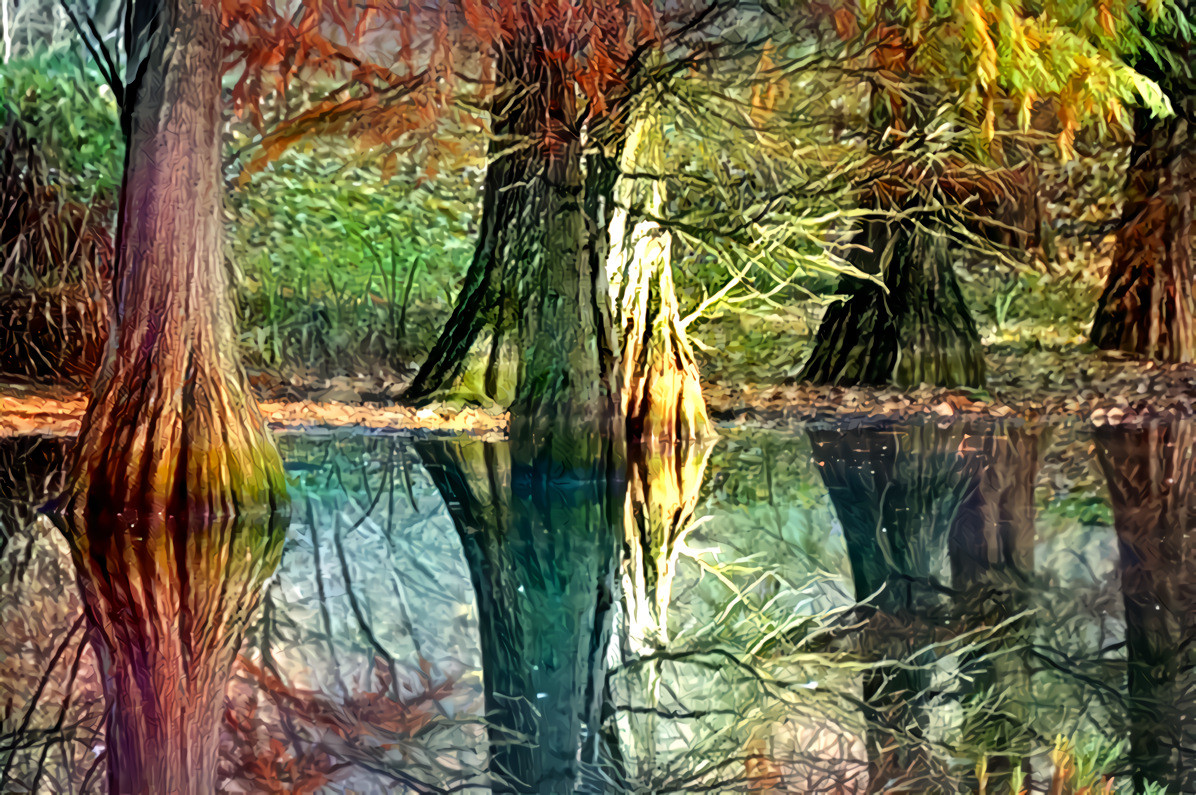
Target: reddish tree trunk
{"type": "Point", "coordinates": [170, 503]}
{"type": "Point", "coordinates": [1146, 307]}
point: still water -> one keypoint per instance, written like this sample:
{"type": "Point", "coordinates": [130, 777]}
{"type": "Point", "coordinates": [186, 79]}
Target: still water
{"type": "Point", "coordinates": [867, 608]}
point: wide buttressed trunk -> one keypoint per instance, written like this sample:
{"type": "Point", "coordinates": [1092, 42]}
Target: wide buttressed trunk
{"type": "Point", "coordinates": [525, 331]}
{"type": "Point", "coordinates": [172, 424]}
{"type": "Point", "coordinates": [173, 502]}
{"type": "Point", "coordinates": [1151, 473]}
{"type": "Point", "coordinates": [1146, 307]}
{"type": "Point", "coordinates": [656, 380]}
{"type": "Point", "coordinates": [540, 529]}
{"type": "Point", "coordinates": [915, 329]}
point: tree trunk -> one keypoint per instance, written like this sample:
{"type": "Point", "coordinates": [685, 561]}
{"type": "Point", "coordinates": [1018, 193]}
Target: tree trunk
{"type": "Point", "coordinates": [540, 534]}
{"type": "Point", "coordinates": [525, 331]}
{"type": "Point", "coordinates": [1151, 472]}
{"type": "Point", "coordinates": [656, 377]}
{"type": "Point", "coordinates": [170, 505]}
{"type": "Point", "coordinates": [536, 328]}
{"type": "Point", "coordinates": [896, 492]}
{"type": "Point", "coordinates": [916, 329]}
{"type": "Point", "coordinates": [1146, 307]}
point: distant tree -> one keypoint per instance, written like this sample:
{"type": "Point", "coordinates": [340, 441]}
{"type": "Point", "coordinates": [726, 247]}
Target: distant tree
{"type": "Point", "coordinates": [1147, 304]}
{"type": "Point", "coordinates": [940, 80]}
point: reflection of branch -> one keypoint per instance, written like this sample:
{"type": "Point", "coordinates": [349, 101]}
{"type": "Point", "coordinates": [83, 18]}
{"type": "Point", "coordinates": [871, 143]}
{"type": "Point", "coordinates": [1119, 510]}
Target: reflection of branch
{"type": "Point", "coordinates": [354, 604]}
{"type": "Point", "coordinates": [62, 710]}
{"type": "Point", "coordinates": [348, 730]}
{"type": "Point", "coordinates": [325, 616]}
{"type": "Point", "coordinates": [37, 694]}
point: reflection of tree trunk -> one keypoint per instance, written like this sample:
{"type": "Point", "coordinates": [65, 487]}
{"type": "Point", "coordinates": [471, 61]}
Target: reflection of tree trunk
{"type": "Point", "coordinates": [992, 553]}
{"type": "Point", "coordinates": [896, 492]}
{"type": "Point", "coordinates": [663, 485]}
{"type": "Point", "coordinates": [1151, 473]}
{"type": "Point", "coordinates": [915, 329]}
{"type": "Point", "coordinates": [662, 492]}
{"type": "Point", "coordinates": [1146, 307]}
{"type": "Point", "coordinates": [168, 598]}
{"type": "Point", "coordinates": [541, 538]}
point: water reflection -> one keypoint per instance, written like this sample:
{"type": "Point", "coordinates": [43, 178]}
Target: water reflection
{"type": "Point", "coordinates": [897, 493]}
{"type": "Point", "coordinates": [168, 595]}
{"type": "Point", "coordinates": [541, 534]}
{"type": "Point", "coordinates": [882, 608]}
{"type": "Point", "coordinates": [1151, 475]}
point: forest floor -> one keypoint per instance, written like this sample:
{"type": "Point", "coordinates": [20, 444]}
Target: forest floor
{"type": "Point", "coordinates": [1032, 383]}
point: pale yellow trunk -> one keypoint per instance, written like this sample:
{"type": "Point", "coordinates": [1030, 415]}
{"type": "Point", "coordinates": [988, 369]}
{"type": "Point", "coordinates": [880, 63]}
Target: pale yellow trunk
{"type": "Point", "coordinates": [656, 381]}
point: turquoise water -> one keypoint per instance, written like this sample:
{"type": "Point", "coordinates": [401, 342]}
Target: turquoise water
{"type": "Point", "coordinates": [862, 608]}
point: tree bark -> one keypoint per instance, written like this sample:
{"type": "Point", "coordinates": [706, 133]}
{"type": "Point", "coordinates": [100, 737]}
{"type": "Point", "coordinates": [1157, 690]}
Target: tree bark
{"type": "Point", "coordinates": [172, 424]}
{"type": "Point", "coordinates": [174, 501]}
{"type": "Point", "coordinates": [525, 331]}
{"type": "Point", "coordinates": [656, 377]}
{"type": "Point", "coordinates": [916, 329]}
{"type": "Point", "coordinates": [1146, 307]}
{"type": "Point", "coordinates": [540, 534]}
{"type": "Point", "coordinates": [1151, 472]}
{"type": "Point", "coordinates": [564, 309]}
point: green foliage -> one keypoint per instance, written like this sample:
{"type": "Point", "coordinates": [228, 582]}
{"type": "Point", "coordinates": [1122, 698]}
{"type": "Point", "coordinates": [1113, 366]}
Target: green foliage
{"type": "Point", "coordinates": [987, 52]}
{"type": "Point", "coordinates": [340, 264]}
{"type": "Point", "coordinates": [72, 118]}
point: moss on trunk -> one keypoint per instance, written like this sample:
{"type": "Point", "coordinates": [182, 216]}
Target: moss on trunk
{"type": "Point", "coordinates": [568, 307]}
{"type": "Point", "coordinates": [525, 331]}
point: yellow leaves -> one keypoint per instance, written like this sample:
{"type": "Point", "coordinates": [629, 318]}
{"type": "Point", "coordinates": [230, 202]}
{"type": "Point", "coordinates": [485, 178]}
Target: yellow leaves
{"type": "Point", "coordinates": [768, 89]}
{"type": "Point", "coordinates": [1067, 133]}
{"type": "Point", "coordinates": [1106, 19]}
{"type": "Point", "coordinates": [1025, 109]}
{"type": "Point", "coordinates": [986, 55]}
{"type": "Point", "coordinates": [988, 124]}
